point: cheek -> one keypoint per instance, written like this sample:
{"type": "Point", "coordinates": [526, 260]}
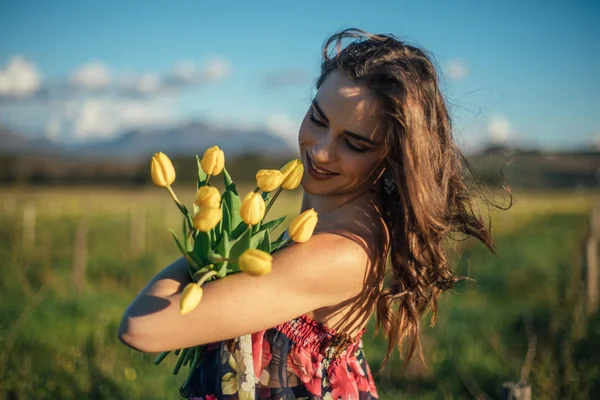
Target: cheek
{"type": "Point", "coordinates": [304, 134]}
{"type": "Point", "coordinates": [362, 168]}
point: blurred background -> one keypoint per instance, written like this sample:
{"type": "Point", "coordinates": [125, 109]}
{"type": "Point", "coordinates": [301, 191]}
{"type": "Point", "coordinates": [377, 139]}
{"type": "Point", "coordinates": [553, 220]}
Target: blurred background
{"type": "Point", "coordinates": [90, 90]}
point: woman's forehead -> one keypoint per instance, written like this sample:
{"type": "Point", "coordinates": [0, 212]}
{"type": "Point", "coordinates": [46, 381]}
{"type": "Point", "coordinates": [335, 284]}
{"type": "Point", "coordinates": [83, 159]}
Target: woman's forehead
{"type": "Point", "coordinates": [348, 105]}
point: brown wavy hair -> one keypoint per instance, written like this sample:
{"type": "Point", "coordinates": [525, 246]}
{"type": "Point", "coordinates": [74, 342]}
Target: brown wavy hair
{"type": "Point", "coordinates": [431, 198]}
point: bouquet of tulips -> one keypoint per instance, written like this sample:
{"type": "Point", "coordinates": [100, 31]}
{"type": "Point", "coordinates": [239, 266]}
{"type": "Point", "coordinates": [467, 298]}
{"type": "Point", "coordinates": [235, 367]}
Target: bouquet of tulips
{"type": "Point", "coordinates": [225, 234]}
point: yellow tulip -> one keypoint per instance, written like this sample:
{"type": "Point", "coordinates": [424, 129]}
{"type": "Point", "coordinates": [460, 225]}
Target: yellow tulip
{"type": "Point", "coordinates": [190, 298]}
{"type": "Point", "coordinates": [207, 218]}
{"type": "Point", "coordinates": [208, 197]}
{"type": "Point", "coordinates": [255, 262]}
{"type": "Point", "coordinates": [213, 161]}
{"type": "Point", "coordinates": [253, 208]}
{"type": "Point", "coordinates": [303, 226]}
{"type": "Point", "coordinates": [292, 174]}
{"type": "Point", "coordinates": [162, 171]}
{"type": "Point", "coordinates": [268, 179]}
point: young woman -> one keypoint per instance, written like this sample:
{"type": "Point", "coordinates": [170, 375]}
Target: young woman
{"type": "Point", "coordinates": [386, 179]}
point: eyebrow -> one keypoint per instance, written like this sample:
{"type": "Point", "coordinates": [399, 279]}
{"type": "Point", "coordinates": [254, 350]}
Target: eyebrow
{"type": "Point", "coordinates": [351, 134]}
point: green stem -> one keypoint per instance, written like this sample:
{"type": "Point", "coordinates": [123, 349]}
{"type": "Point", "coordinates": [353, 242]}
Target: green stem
{"type": "Point", "coordinates": [207, 180]}
{"type": "Point", "coordinates": [198, 353]}
{"type": "Point", "coordinates": [209, 274]}
{"type": "Point", "coordinates": [272, 201]}
{"type": "Point", "coordinates": [180, 360]}
{"type": "Point", "coordinates": [181, 207]}
{"type": "Point", "coordinates": [174, 196]}
{"type": "Point", "coordinates": [161, 357]}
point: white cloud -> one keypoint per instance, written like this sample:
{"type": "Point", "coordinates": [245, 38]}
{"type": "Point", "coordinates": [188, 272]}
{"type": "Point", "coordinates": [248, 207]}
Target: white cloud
{"type": "Point", "coordinates": [186, 71]}
{"type": "Point", "coordinates": [148, 83]}
{"type": "Point", "coordinates": [93, 75]}
{"type": "Point", "coordinates": [456, 69]}
{"type": "Point", "coordinates": [283, 126]}
{"type": "Point", "coordinates": [216, 69]}
{"type": "Point", "coordinates": [105, 118]}
{"type": "Point", "coordinates": [499, 129]}
{"type": "Point", "coordinates": [95, 120]}
{"type": "Point", "coordinates": [19, 77]}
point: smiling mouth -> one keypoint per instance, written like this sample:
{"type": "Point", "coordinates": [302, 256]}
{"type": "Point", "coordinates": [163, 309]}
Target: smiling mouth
{"type": "Point", "coordinates": [317, 169]}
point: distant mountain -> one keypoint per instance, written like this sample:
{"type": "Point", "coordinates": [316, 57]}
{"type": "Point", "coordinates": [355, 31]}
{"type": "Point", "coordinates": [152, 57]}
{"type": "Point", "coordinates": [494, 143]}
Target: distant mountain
{"type": "Point", "coordinates": [12, 142]}
{"type": "Point", "coordinates": [189, 139]}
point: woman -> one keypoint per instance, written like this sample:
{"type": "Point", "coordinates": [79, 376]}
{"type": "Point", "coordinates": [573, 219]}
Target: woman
{"type": "Point", "coordinates": [385, 177]}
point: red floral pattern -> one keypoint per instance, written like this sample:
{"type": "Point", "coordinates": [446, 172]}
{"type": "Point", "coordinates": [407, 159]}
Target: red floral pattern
{"type": "Point", "coordinates": [300, 359]}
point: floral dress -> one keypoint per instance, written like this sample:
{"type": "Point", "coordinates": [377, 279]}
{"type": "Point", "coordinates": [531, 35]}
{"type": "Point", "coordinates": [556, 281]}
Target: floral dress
{"type": "Point", "coordinates": [299, 359]}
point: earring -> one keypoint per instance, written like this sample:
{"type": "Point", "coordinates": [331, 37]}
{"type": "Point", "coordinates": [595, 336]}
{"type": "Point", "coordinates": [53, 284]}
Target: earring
{"type": "Point", "coordinates": [389, 183]}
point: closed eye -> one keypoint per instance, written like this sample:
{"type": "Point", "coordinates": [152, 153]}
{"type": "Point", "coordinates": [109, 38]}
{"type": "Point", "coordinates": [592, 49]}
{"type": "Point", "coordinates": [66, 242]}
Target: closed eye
{"type": "Point", "coordinates": [316, 121]}
{"type": "Point", "coordinates": [320, 124]}
{"type": "Point", "coordinates": [357, 149]}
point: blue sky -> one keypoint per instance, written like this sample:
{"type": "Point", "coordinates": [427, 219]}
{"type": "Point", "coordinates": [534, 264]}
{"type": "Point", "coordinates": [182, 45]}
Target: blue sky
{"type": "Point", "coordinates": [524, 72]}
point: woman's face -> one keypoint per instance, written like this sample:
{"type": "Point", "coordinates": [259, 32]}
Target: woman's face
{"type": "Point", "coordinates": [341, 139]}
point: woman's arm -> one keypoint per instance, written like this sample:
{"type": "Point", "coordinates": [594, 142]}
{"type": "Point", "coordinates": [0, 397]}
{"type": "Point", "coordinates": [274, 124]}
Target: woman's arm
{"type": "Point", "coordinates": [324, 271]}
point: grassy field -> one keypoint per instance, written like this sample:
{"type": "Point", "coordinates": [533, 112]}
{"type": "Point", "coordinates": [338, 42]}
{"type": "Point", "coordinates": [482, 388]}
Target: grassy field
{"type": "Point", "coordinates": [58, 326]}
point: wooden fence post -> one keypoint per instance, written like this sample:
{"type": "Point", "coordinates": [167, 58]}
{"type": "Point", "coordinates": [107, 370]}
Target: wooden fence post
{"type": "Point", "coordinates": [80, 255]}
{"type": "Point", "coordinates": [592, 262]}
{"type": "Point", "coordinates": [28, 226]}
{"type": "Point", "coordinates": [521, 390]}
{"type": "Point", "coordinates": [516, 391]}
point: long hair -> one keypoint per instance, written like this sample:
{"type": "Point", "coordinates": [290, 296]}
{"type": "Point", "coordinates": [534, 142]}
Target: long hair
{"type": "Point", "coordinates": [431, 198]}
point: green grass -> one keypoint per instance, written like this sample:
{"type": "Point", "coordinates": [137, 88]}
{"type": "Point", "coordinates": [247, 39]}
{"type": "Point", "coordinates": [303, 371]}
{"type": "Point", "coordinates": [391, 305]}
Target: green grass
{"type": "Point", "coordinates": [56, 342]}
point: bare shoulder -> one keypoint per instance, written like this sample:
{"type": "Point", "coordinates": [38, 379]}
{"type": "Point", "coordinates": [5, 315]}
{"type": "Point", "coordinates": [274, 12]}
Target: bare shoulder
{"type": "Point", "coordinates": [331, 260]}
{"type": "Point", "coordinates": [336, 261]}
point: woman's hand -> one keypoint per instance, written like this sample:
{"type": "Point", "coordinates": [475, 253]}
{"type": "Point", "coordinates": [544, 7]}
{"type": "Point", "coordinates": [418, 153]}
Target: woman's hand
{"type": "Point", "coordinates": [324, 271]}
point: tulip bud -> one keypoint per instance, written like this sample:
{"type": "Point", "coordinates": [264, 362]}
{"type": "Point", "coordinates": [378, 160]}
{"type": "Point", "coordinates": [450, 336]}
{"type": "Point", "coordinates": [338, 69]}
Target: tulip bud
{"type": "Point", "coordinates": [253, 208]}
{"type": "Point", "coordinates": [213, 161]}
{"type": "Point", "coordinates": [303, 226]}
{"type": "Point", "coordinates": [190, 298]}
{"type": "Point", "coordinates": [268, 179]}
{"type": "Point", "coordinates": [207, 218]}
{"type": "Point", "coordinates": [292, 174]}
{"type": "Point", "coordinates": [208, 197]}
{"type": "Point", "coordinates": [162, 171]}
{"type": "Point", "coordinates": [255, 262]}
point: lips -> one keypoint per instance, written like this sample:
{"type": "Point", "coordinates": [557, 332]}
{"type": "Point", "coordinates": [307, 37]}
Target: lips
{"type": "Point", "coordinates": [317, 171]}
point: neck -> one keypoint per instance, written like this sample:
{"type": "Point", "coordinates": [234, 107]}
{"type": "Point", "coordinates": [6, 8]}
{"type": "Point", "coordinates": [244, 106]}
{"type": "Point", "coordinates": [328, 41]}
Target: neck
{"type": "Point", "coordinates": [324, 204]}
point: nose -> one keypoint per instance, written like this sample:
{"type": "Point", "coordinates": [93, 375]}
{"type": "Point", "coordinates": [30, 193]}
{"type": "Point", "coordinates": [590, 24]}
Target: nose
{"type": "Point", "coordinates": [323, 149]}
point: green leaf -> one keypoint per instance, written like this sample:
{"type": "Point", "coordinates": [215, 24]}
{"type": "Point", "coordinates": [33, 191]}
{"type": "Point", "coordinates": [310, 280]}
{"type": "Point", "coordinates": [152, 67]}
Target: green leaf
{"type": "Point", "coordinates": [239, 230]}
{"type": "Point", "coordinates": [227, 179]}
{"type": "Point", "coordinates": [189, 256]}
{"type": "Point", "coordinates": [282, 236]}
{"type": "Point", "coordinates": [201, 174]}
{"type": "Point", "coordinates": [226, 221]}
{"type": "Point", "coordinates": [233, 204]}
{"type": "Point", "coordinates": [202, 246]}
{"type": "Point", "coordinates": [279, 241]}
{"type": "Point", "coordinates": [272, 225]}
{"type": "Point", "coordinates": [263, 242]}
{"type": "Point", "coordinates": [277, 244]}
{"type": "Point", "coordinates": [223, 249]}
{"type": "Point", "coordinates": [179, 245]}
{"type": "Point", "coordinates": [240, 245]}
